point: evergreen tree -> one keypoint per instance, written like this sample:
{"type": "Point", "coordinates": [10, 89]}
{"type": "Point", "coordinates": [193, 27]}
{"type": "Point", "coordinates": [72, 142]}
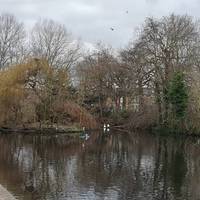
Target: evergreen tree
{"type": "Point", "coordinates": [178, 97]}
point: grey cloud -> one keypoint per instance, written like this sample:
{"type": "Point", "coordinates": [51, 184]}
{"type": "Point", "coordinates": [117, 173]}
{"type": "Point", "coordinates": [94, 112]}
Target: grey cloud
{"type": "Point", "coordinates": [92, 19]}
{"type": "Point", "coordinates": [151, 1]}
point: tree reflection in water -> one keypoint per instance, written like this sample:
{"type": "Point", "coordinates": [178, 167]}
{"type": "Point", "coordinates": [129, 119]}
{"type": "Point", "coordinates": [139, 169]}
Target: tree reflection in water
{"type": "Point", "coordinates": [117, 166]}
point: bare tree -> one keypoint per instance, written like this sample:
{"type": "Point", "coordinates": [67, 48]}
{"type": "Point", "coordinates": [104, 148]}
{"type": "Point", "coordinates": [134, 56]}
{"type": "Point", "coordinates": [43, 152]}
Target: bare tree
{"type": "Point", "coordinates": [50, 40]}
{"type": "Point", "coordinates": [12, 39]}
{"type": "Point", "coordinates": [170, 44]}
{"type": "Point", "coordinates": [138, 71]}
{"type": "Point", "coordinates": [99, 76]}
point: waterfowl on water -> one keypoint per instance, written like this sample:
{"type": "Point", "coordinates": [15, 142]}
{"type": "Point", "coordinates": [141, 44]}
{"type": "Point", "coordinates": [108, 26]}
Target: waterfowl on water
{"type": "Point", "coordinates": [87, 136]}
{"type": "Point", "coordinates": [106, 127]}
{"type": "Point", "coordinates": [84, 135]}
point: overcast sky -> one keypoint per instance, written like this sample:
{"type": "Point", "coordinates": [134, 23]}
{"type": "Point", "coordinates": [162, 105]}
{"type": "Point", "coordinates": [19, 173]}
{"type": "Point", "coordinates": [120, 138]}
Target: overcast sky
{"type": "Point", "coordinates": [91, 20]}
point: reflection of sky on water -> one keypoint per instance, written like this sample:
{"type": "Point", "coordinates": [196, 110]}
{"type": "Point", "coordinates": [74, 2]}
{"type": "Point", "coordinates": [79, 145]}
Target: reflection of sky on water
{"type": "Point", "coordinates": [115, 167]}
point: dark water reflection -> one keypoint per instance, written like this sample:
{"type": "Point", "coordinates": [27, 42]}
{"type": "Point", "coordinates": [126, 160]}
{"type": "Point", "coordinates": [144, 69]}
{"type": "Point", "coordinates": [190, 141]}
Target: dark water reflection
{"type": "Point", "coordinates": [117, 167]}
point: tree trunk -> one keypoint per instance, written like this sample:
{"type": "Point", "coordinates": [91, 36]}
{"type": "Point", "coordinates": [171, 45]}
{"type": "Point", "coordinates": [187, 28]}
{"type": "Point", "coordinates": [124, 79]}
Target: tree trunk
{"type": "Point", "coordinates": [141, 96]}
{"type": "Point", "coordinates": [158, 102]}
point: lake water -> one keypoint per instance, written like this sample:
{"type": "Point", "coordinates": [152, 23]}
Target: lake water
{"type": "Point", "coordinates": [113, 167]}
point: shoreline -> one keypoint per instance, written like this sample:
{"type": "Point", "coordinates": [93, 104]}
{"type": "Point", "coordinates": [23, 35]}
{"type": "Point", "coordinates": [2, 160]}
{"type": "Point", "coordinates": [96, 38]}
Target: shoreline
{"type": "Point", "coordinates": [5, 194]}
{"type": "Point", "coordinates": [6, 130]}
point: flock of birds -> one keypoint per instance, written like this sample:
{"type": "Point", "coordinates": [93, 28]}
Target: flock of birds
{"type": "Point", "coordinates": [85, 136]}
{"type": "Point", "coordinates": [112, 28]}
